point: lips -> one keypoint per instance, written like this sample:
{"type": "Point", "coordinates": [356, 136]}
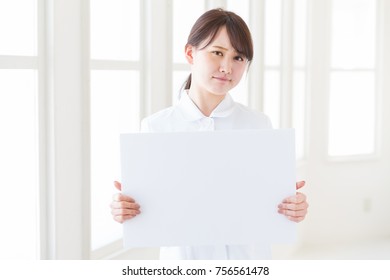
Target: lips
{"type": "Point", "coordinates": [222, 79]}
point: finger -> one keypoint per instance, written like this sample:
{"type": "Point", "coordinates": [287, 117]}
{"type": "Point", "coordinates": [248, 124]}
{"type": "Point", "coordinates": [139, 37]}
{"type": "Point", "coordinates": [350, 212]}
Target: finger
{"type": "Point", "coordinates": [118, 185]}
{"type": "Point", "coordinates": [292, 213]}
{"type": "Point", "coordinates": [296, 219]}
{"type": "Point", "coordinates": [293, 206]}
{"type": "Point", "coordinates": [300, 184]}
{"type": "Point", "coordinates": [298, 198]}
{"type": "Point", "coordinates": [122, 197]}
{"type": "Point", "coordinates": [121, 219]}
{"type": "Point", "coordinates": [124, 212]}
{"type": "Point", "coordinates": [124, 205]}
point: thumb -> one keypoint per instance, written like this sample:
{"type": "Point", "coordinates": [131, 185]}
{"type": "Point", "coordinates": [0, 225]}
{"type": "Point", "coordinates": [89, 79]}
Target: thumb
{"type": "Point", "coordinates": [300, 184]}
{"type": "Point", "coordinates": [118, 185]}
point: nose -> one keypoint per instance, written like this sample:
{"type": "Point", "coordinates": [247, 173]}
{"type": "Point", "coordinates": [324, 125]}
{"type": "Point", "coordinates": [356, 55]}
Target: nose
{"type": "Point", "coordinates": [226, 67]}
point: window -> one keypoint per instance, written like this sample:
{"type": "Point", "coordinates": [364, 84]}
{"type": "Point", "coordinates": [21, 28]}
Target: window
{"type": "Point", "coordinates": [299, 93]}
{"type": "Point", "coordinates": [283, 37]}
{"type": "Point", "coordinates": [19, 160]}
{"type": "Point", "coordinates": [352, 101]}
{"type": "Point", "coordinates": [131, 77]}
{"type": "Point", "coordinates": [115, 46]}
{"type": "Point", "coordinates": [185, 13]}
{"type": "Point", "coordinates": [285, 40]}
{"type": "Point", "coordinates": [272, 59]}
{"type": "Point", "coordinates": [241, 92]}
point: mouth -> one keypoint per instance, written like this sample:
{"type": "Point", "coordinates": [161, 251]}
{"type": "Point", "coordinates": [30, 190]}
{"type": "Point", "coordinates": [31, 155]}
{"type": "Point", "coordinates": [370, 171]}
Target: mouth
{"type": "Point", "coordinates": [222, 79]}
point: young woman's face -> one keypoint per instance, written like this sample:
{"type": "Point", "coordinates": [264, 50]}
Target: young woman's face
{"type": "Point", "coordinates": [217, 68]}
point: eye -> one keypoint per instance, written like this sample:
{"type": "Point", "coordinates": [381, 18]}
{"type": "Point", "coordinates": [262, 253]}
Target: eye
{"type": "Point", "coordinates": [239, 58]}
{"type": "Point", "coordinates": [217, 53]}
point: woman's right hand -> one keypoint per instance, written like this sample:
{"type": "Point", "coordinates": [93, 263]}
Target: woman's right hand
{"type": "Point", "coordinates": [123, 207]}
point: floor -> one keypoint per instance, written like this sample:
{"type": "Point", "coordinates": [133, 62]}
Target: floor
{"type": "Point", "coordinates": [368, 250]}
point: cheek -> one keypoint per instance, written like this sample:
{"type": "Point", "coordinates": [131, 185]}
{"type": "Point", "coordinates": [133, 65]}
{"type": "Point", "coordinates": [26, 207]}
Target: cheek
{"type": "Point", "coordinates": [239, 72]}
{"type": "Point", "coordinates": [203, 66]}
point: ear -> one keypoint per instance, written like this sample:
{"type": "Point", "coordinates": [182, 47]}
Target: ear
{"type": "Point", "coordinates": [189, 51]}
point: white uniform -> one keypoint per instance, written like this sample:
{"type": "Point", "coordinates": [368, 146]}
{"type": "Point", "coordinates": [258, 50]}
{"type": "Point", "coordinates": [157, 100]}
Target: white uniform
{"type": "Point", "coordinates": [228, 115]}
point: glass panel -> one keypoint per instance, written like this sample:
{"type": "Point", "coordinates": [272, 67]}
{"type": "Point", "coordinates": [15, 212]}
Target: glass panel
{"type": "Point", "coordinates": [179, 77]}
{"type": "Point", "coordinates": [18, 27]}
{"type": "Point", "coordinates": [19, 165]}
{"type": "Point", "coordinates": [273, 12]}
{"type": "Point", "coordinates": [185, 13]}
{"type": "Point", "coordinates": [299, 104]}
{"type": "Point", "coordinates": [114, 110]}
{"type": "Point", "coordinates": [299, 77]}
{"type": "Point", "coordinates": [272, 96]}
{"type": "Point", "coordinates": [115, 29]}
{"type": "Point", "coordinates": [240, 7]}
{"type": "Point", "coordinates": [300, 30]}
{"type": "Point", "coordinates": [353, 30]}
{"type": "Point", "coordinates": [352, 113]}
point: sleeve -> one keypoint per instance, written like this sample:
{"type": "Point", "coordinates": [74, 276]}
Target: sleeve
{"type": "Point", "coordinates": [145, 127]}
{"type": "Point", "coordinates": [269, 123]}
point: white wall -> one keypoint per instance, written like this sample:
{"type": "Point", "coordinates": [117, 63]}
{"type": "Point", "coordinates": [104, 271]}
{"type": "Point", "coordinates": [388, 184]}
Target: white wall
{"type": "Point", "coordinates": [348, 197]}
{"type": "Point", "coordinates": [349, 200]}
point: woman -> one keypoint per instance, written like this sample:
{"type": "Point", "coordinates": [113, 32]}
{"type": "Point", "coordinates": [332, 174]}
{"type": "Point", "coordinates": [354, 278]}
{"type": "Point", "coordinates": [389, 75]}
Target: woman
{"type": "Point", "coordinates": [219, 51]}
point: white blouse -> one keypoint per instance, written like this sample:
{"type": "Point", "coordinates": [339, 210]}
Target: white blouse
{"type": "Point", "coordinates": [228, 115]}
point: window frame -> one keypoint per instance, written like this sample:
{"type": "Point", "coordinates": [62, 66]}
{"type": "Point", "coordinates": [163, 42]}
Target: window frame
{"type": "Point", "coordinates": [36, 62]}
{"type": "Point", "coordinates": [64, 110]}
{"type": "Point", "coordinates": [378, 90]}
{"type": "Point", "coordinates": [155, 72]}
{"type": "Point", "coordinates": [115, 247]}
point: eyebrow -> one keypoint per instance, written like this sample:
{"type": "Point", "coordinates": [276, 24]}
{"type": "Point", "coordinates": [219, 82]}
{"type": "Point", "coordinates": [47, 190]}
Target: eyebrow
{"type": "Point", "coordinates": [222, 48]}
{"type": "Point", "coordinates": [225, 49]}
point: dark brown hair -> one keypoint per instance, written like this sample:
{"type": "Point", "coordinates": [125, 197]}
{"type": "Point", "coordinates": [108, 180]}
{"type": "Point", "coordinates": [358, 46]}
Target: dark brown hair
{"type": "Point", "coordinates": [208, 25]}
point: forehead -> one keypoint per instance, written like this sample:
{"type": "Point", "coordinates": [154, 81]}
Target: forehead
{"type": "Point", "coordinates": [221, 39]}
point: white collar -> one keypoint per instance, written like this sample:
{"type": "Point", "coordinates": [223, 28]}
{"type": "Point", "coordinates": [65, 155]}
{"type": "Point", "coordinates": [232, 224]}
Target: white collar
{"type": "Point", "coordinates": [192, 113]}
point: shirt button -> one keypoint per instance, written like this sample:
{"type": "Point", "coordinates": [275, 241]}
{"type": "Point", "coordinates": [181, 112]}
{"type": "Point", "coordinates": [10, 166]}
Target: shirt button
{"type": "Point", "coordinates": [208, 121]}
{"type": "Point", "coordinates": [207, 124]}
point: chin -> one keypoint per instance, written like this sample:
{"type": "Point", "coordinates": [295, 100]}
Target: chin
{"type": "Point", "coordinates": [219, 93]}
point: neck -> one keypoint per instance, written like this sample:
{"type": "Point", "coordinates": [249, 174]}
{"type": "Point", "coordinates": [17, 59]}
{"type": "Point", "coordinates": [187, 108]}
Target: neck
{"type": "Point", "coordinates": [205, 101]}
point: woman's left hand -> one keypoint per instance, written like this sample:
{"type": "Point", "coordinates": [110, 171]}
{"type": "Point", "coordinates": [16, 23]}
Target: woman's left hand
{"type": "Point", "coordinates": [295, 207]}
